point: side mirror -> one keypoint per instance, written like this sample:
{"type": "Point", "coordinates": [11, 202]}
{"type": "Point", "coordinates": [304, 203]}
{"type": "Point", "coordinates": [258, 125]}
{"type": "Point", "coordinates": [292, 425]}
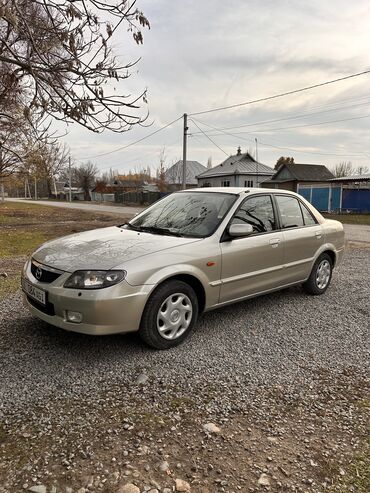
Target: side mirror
{"type": "Point", "coordinates": [240, 230]}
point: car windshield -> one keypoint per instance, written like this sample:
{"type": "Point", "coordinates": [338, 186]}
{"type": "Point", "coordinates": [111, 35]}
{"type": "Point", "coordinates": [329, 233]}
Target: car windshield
{"type": "Point", "coordinates": [193, 214]}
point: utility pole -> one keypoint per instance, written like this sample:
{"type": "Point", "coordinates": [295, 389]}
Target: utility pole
{"type": "Point", "coordinates": [35, 188]}
{"type": "Point", "coordinates": [257, 160]}
{"type": "Point", "coordinates": [70, 178]}
{"type": "Point", "coordinates": [184, 149]}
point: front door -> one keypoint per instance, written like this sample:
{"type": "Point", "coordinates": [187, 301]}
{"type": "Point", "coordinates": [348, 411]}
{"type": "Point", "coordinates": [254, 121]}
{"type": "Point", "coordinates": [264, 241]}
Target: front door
{"type": "Point", "coordinates": [252, 264]}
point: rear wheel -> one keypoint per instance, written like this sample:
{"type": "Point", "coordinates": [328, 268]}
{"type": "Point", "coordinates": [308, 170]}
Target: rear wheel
{"type": "Point", "coordinates": [320, 276]}
{"type": "Point", "coordinates": [169, 315]}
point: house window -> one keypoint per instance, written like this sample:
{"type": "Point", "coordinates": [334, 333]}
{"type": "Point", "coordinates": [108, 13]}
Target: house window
{"type": "Point", "coordinates": [207, 184]}
{"type": "Point", "coordinates": [225, 183]}
{"type": "Point", "coordinates": [248, 183]}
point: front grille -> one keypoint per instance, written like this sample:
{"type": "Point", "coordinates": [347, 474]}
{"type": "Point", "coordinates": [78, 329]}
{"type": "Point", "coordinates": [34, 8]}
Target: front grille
{"type": "Point", "coordinates": [48, 308]}
{"type": "Point", "coordinates": [42, 273]}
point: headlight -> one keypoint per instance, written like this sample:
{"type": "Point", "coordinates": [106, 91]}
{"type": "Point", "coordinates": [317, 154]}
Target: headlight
{"type": "Point", "coordinates": [94, 279]}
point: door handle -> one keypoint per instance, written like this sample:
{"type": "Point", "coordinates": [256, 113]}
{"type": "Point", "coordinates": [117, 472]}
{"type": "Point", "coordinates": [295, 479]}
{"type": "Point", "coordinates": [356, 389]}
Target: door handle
{"type": "Point", "coordinates": [275, 242]}
{"type": "Point", "coordinates": [318, 234]}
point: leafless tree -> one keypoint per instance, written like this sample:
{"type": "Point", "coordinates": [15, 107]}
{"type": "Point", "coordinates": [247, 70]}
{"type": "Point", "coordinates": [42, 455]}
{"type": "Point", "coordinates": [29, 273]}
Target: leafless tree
{"type": "Point", "coordinates": [161, 170]}
{"type": "Point", "coordinates": [86, 174]}
{"type": "Point", "coordinates": [344, 168]}
{"type": "Point", "coordinates": [108, 176]}
{"type": "Point", "coordinates": [56, 59]}
{"type": "Point", "coordinates": [362, 170]}
{"type": "Point", "coordinates": [49, 161]}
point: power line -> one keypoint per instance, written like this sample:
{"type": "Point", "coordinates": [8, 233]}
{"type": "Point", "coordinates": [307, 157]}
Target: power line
{"type": "Point", "coordinates": [275, 96]}
{"type": "Point", "coordinates": [173, 143]}
{"type": "Point", "coordinates": [298, 126]}
{"type": "Point", "coordinates": [209, 138]}
{"type": "Point", "coordinates": [282, 147]}
{"type": "Point", "coordinates": [296, 117]}
{"type": "Point", "coordinates": [131, 143]}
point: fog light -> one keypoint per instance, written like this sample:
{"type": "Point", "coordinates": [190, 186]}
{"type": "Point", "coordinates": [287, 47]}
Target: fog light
{"type": "Point", "coordinates": [75, 317]}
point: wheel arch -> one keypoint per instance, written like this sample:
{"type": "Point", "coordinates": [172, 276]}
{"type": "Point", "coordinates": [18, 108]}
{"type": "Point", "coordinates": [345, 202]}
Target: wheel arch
{"type": "Point", "coordinates": [332, 256]}
{"type": "Point", "coordinates": [192, 281]}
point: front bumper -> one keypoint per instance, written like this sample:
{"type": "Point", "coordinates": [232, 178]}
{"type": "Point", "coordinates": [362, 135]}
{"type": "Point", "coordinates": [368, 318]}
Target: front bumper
{"type": "Point", "coordinates": [112, 310]}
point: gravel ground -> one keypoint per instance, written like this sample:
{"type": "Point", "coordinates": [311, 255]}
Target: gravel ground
{"type": "Point", "coordinates": [276, 338]}
{"type": "Point", "coordinates": [280, 376]}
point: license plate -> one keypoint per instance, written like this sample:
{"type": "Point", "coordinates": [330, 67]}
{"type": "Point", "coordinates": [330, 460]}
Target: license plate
{"type": "Point", "coordinates": [36, 293]}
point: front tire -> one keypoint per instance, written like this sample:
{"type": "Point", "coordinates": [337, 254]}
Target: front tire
{"type": "Point", "coordinates": [320, 276]}
{"type": "Point", "coordinates": [169, 315]}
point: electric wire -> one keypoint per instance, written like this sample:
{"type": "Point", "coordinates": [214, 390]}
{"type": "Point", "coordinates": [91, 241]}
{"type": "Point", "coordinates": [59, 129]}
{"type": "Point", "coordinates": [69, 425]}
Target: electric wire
{"type": "Point", "coordinates": [265, 130]}
{"type": "Point", "coordinates": [280, 95]}
{"type": "Point", "coordinates": [131, 143]}
{"type": "Point", "coordinates": [213, 142]}
{"type": "Point", "coordinates": [295, 117]}
{"type": "Point", "coordinates": [283, 147]}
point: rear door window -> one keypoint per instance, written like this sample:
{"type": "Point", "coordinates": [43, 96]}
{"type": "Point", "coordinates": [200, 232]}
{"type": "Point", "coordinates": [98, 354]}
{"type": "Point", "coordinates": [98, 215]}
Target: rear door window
{"type": "Point", "coordinates": [290, 212]}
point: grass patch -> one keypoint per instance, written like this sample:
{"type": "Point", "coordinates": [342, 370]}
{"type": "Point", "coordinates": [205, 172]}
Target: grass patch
{"type": "Point", "coordinates": [357, 477]}
{"type": "Point", "coordinates": [15, 242]}
{"type": "Point", "coordinates": [350, 218]}
{"type": "Point", "coordinates": [9, 285]}
{"type": "Point", "coordinates": [22, 206]}
{"type": "Point", "coordinates": [358, 474]}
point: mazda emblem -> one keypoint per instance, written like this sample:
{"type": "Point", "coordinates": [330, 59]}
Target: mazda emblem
{"type": "Point", "coordinates": [38, 273]}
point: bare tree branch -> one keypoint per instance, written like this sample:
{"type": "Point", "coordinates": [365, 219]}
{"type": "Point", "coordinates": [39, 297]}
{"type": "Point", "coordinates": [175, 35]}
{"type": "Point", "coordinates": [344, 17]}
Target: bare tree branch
{"type": "Point", "coordinates": [56, 59]}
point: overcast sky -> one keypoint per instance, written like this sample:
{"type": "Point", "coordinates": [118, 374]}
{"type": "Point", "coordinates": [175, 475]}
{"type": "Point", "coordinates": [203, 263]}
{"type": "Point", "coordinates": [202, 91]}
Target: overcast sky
{"type": "Point", "coordinates": [201, 54]}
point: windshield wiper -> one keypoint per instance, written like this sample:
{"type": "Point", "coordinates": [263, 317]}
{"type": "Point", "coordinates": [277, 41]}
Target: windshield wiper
{"type": "Point", "coordinates": [152, 229]}
{"type": "Point", "coordinates": [160, 231]}
{"type": "Point", "coordinates": [130, 226]}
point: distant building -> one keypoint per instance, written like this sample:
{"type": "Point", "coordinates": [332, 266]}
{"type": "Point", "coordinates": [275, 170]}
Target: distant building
{"type": "Point", "coordinates": [292, 176]}
{"type": "Point", "coordinates": [60, 190]}
{"type": "Point", "coordinates": [312, 181]}
{"type": "Point", "coordinates": [355, 192]}
{"type": "Point", "coordinates": [173, 175]}
{"type": "Point", "coordinates": [239, 170]}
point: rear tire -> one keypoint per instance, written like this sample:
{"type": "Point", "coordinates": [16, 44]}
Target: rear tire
{"type": "Point", "coordinates": [320, 276]}
{"type": "Point", "coordinates": [169, 315]}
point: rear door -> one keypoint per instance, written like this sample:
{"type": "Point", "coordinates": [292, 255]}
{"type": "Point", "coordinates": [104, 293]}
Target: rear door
{"type": "Point", "coordinates": [302, 237]}
{"type": "Point", "coordinates": [252, 264]}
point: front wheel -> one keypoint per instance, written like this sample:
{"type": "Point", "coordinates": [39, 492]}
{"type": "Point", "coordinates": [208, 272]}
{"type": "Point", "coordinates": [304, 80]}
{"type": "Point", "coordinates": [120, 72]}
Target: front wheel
{"type": "Point", "coordinates": [320, 276]}
{"type": "Point", "coordinates": [169, 315]}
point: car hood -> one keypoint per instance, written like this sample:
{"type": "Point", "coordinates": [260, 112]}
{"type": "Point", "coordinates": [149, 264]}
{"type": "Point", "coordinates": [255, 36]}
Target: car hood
{"type": "Point", "coordinates": [103, 248]}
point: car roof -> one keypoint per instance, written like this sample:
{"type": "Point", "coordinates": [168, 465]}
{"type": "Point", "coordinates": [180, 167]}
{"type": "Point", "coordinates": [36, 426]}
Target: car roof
{"type": "Point", "coordinates": [238, 190]}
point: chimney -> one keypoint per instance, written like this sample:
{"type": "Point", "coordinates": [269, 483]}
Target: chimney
{"type": "Point", "coordinates": [239, 151]}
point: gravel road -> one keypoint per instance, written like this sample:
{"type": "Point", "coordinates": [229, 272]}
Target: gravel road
{"type": "Point", "coordinates": [100, 413]}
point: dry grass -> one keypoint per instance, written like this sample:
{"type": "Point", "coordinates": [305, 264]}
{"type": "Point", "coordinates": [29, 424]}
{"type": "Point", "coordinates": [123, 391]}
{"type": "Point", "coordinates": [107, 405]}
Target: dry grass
{"type": "Point", "coordinates": [25, 226]}
{"type": "Point", "coordinates": [350, 218]}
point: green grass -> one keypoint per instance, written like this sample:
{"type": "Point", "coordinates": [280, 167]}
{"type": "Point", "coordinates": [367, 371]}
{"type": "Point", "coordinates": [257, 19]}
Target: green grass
{"type": "Point", "coordinates": [357, 476]}
{"type": "Point", "coordinates": [9, 285]}
{"type": "Point", "coordinates": [350, 218]}
{"type": "Point", "coordinates": [22, 205]}
{"type": "Point", "coordinates": [16, 242]}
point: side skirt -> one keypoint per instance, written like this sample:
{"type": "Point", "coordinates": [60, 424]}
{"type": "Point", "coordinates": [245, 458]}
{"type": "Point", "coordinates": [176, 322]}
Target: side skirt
{"type": "Point", "coordinates": [254, 295]}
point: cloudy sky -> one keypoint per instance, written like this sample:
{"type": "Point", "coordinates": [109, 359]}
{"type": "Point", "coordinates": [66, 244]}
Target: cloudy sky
{"type": "Point", "coordinates": [202, 54]}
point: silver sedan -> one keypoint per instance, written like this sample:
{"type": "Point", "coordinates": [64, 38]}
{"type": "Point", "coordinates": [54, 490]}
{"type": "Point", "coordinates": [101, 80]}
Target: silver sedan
{"type": "Point", "coordinates": [190, 252]}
